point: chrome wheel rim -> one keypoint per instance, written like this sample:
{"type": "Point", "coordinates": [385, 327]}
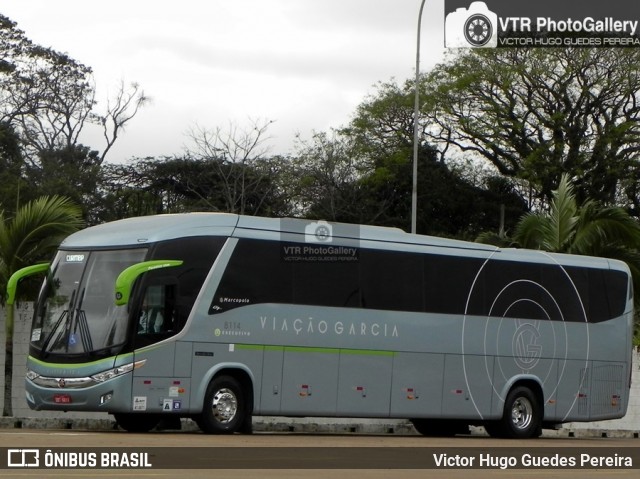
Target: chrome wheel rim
{"type": "Point", "coordinates": [521, 413]}
{"type": "Point", "coordinates": [225, 405]}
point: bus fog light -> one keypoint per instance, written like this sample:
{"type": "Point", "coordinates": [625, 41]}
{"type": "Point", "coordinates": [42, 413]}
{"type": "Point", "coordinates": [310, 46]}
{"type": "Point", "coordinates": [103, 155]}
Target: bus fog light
{"type": "Point", "coordinates": [105, 398]}
{"type": "Point", "coordinates": [30, 397]}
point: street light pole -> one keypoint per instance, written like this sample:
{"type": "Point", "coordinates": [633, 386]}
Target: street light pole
{"type": "Point", "coordinates": [416, 129]}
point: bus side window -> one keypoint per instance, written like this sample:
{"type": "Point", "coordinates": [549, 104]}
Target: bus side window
{"type": "Point", "coordinates": [392, 281]}
{"type": "Point", "coordinates": [327, 284]}
{"type": "Point", "coordinates": [255, 274]}
{"type": "Point", "coordinates": [157, 315]}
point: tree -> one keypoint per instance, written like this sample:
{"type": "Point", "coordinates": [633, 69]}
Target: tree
{"type": "Point", "coordinates": [29, 237]}
{"type": "Point", "coordinates": [72, 172]}
{"type": "Point", "coordinates": [183, 184]}
{"type": "Point", "coordinates": [49, 98]}
{"type": "Point", "coordinates": [537, 113]}
{"type": "Point", "coordinates": [11, 167]}
{"type": "Point", "coordinates": [238, 157]}
{"type": "Point", "coordinates": [46, 94]}
{"type": "Point", "coordinates": [120, 110]}
{"type": "Point", "coordinates": [380, 143]}
{"type": "Point", "coordinates": [148, 186]}
{"type": "Point", "coordinates": [323, 177]}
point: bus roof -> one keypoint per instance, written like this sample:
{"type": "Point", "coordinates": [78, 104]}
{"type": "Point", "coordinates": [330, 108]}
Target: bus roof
{"type": "Point", "coordinates": [144, 230]}
{"type": "Point", "coordinates": [150, 229]}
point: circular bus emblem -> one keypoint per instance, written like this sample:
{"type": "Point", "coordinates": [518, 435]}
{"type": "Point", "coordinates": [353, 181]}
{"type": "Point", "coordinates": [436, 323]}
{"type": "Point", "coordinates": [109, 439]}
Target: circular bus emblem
{"type": "Point", "coordinates": [526, 350]}
{"type": "Point", "coordinates": [518, 320]}
{"type": "Point", "coordinates": [62, 383]}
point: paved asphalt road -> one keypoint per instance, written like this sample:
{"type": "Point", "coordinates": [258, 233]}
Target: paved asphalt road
{"type": "Point", "coordinates": [312, 456]}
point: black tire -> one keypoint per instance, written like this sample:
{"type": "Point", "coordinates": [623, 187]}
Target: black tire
{"type": "Point", "coordinates": [137, 422]}
{"type": "Point", "coordinates": [440, 427]}
{"type": "Point", "coordinates": [224, 409]}
{"type": "Point", "coordinates": [522, 417]}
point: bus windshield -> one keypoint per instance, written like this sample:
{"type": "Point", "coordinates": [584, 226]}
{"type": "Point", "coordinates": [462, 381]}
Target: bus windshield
{"type": "Point", "coordinates": [76, 315]}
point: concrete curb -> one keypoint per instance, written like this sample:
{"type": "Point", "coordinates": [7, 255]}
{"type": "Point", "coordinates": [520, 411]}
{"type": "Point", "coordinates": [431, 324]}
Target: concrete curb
{"type": "Point", "coordinates": [268, 424]}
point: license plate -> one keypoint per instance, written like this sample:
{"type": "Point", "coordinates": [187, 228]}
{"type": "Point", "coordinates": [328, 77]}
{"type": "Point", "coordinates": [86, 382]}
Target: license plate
{"type": "Point", "coordinates": [62, 399]}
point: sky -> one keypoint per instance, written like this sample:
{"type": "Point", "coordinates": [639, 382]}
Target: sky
{"type": "Point", "coordinates": [303, 64]}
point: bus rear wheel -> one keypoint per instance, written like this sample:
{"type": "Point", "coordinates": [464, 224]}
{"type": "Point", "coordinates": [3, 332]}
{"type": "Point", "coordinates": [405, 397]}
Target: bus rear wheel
{"type": "Point", "coordinates": [522, 417]}
{"type": "Point", "coordinates": [137, 422]}
{"type": "Point", "coordinates": [224, 407]}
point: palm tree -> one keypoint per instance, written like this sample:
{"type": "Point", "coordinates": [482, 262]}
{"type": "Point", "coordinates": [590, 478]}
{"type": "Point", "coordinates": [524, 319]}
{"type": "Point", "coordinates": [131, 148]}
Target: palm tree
{"type": "Point", "coordinates": [31, 236]}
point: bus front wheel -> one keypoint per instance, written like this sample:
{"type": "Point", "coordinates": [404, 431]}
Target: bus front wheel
{"type": "Point", "coordinates": [224, 407]}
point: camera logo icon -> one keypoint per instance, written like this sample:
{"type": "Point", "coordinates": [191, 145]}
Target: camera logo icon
{"type": "Point", "coordinates": [318, 232]}
{"type": "Point", "coordinates": [476, 26]}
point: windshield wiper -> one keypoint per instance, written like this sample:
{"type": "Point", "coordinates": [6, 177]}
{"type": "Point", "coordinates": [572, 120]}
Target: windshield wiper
{"type": "Point", "coordinates": [63, 315]}
{"type": "Point", "coordinates": [81, 322]}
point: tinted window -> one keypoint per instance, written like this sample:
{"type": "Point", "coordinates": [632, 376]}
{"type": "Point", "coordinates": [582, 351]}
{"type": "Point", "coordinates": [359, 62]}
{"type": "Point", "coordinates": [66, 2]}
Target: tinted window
{"type": "Point", "coordinates": [183, 283]}
{"type": "Point", "coordinates": [604, 292]}
{"type": "Point", "coordinates": [255, 274]}
{"type": "Point", "coordinates": [617, 288]}
{"type": "Point", "coordinates": [327, 284]}
{"type": "Point", "coordinates": [448, 281]}
{"type": "Point", "coordinates": [391, 280]}
{"type": "Point", "coordinates": [398, 281]}
{"type": "Point", "coordinates": [548, 291]}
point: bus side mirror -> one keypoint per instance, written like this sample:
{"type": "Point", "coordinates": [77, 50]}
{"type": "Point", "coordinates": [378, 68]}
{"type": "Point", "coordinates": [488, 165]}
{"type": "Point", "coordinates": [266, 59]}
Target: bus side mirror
{"type": "Point", "coordinates": [12, 284]}
{"type": "Point", "coordinates": [125, 280]}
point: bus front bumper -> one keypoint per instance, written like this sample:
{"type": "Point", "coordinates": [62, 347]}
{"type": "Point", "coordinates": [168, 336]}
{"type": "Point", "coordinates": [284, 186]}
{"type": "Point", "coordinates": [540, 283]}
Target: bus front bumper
{"type": "Point", "coordinates": [79, 394]}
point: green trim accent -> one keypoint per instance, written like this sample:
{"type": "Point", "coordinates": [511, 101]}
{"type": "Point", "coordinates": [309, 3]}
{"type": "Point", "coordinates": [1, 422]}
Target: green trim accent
{"type": "Point", "coordinates": [12, 284]}
{"type": "Point", "coordinates": [304, 349]}
{"type": "Point", "coordinates": [125, 280]}
{"type": "Point", "coordinates": [94, 363]}
{"type": "Point", "coordinates": [266, 348]}
{"type": "Point", "coordinates": [77, 365]}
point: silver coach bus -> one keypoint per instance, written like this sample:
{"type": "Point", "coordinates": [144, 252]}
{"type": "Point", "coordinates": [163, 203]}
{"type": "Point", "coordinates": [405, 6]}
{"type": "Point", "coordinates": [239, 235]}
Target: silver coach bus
{"type": "Point", "coordinates": [219, 317]}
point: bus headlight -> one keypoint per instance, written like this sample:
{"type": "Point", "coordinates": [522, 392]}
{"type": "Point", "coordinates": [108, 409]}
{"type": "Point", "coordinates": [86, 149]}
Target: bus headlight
{"type": "Point", "coordinates": [32, 375]}
{"type": "Point", "coordinates": [119, 371]}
